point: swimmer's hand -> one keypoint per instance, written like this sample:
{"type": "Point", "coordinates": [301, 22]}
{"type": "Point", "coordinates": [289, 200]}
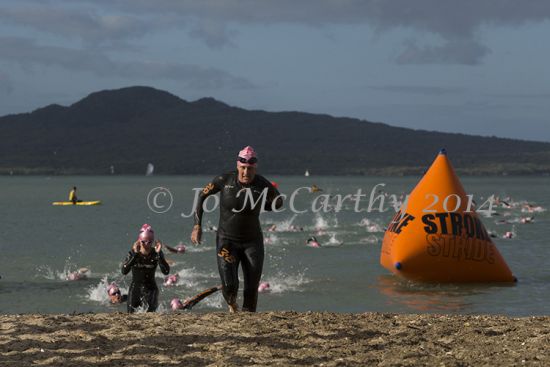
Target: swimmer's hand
{"type": "Point", "coordinates": [136, 247]}
{"type": "Point", "coordinates": [196, 234]}
{"type": "Point", "coordinates": [158, 246]}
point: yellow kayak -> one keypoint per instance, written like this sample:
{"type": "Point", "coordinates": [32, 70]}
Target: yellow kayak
{"type": "Point", "coordinates": [86, 203]}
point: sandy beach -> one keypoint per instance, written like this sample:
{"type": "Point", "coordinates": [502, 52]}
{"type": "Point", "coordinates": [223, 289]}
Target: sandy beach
{"type": "Point", "coordinates": [272, 338]}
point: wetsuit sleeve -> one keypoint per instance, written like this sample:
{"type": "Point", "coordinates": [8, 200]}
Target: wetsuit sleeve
{"type": "Point", "coordinates": [272, 194]}
{"type": "Point", "coordinates": [128, 262]}
{"type": "Point", "coordinates": [212, 188]}
{"type": "Point", "coordinates": [164, 267]}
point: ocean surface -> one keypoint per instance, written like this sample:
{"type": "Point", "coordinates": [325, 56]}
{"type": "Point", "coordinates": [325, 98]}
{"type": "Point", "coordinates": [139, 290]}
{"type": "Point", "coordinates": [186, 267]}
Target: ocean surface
{"type": "Point", "coordinates": [41, 244]}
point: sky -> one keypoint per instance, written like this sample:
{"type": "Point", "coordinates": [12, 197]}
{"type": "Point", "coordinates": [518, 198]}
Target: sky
{"type": "Point", "coordinates": [469, 66]}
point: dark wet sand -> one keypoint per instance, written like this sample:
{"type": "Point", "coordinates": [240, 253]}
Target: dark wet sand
{"type": "Point", "coordinates": [273, 338]}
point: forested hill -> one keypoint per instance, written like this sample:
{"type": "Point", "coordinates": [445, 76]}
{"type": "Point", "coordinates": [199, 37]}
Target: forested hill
{"type": "Point", "coordinates": [130, 127]}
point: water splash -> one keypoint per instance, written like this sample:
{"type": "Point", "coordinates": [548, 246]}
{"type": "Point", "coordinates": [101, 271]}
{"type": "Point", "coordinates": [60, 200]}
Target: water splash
{"type": "Point", "coordinates": [371, 226]}
{"type": "Point", "coordinates": [282, 283]}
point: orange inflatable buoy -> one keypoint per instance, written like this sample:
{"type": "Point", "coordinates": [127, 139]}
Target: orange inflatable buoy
{"type": "Point", "coordinates": [437, 236]}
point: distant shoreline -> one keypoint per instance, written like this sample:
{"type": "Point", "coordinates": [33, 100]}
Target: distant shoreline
{"type": "Point", "coordinates": [540, 171]}
{"type": "Point", "coordinates": [273, 338]}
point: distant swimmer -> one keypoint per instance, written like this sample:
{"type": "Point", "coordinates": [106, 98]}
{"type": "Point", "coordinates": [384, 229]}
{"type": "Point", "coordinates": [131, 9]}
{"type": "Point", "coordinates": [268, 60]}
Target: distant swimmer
{"type": "Point", "coordinates": [239, 239]}
{"type": "Point", "coordinates": [502, 221]}
{"type": "Point", "coordinates": [72, 196]}
{"type": "Point", "coordinates": [264, 287]}
{"type": "Point", "coordinates": [80, 274]}
{"type": "Point", "coordinates": [179, 249]}
{"type": "Point", "coordinates": [272, 228]}
{"type": "Point", "coordinates": [312, 242]}
{"type": "Point", "coordinates": [530, 208]}
{"type": "Point", "coordinates": [176, 304]}
{"type": "Point", "coordinates": [115, 295]}
{"type": "Point", "coordinates": [293, 228]}
{"type": "Point", "coordinates": [525, 220]}
{"type": "Point", "coordinates": [143, 260]}
{"type": "Point", "coordinates": [171, 280]}
{"type": "Point", "coordinates": [315, 188]}
{"type": "Point", "coordinates": [508, 235]}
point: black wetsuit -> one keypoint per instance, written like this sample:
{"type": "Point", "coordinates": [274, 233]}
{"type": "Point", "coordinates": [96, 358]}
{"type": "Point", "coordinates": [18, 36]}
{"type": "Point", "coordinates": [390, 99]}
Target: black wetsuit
{"type": "Point", "coordinates": [143, 290]}
{"type": "Point", "coordinates": [239, 238]}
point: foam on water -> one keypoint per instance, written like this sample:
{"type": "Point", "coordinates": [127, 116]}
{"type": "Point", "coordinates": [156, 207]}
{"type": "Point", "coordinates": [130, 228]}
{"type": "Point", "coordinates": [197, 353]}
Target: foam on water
{"type": "Point", "coordinates": [370, 225]}
{"type": "Point", "coordinates": [199, 248]}
{"type": "Point", "coordinates": [370, 240]}
{"type": "Point", "coordinates": [333, 241]}
{"type": "Point", "coordinates": [192, 278]}
{"type": "Point", "coordinates": [285, 225]}
{"type": "Point", "coordinates": [281, 283]}
{"type": "Point", "coordinates": [98, 292]}
{"type": "Point", "coordinates": [214, 301]}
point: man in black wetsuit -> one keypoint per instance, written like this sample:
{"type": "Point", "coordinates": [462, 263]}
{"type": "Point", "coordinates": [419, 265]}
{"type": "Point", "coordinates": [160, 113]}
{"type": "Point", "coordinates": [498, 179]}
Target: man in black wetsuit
{"type": "Point", "coordinates": [239, 238]}
{"type": "Point", "coordinates": [143, 260]}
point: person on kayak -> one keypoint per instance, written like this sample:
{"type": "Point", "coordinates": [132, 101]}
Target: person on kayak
{"type": "Point", "coordinates": [239, 237]}
{"type": "Point", "coordinates": [143, 260]}
{"type": "Point", "coordinates": [72, 195]}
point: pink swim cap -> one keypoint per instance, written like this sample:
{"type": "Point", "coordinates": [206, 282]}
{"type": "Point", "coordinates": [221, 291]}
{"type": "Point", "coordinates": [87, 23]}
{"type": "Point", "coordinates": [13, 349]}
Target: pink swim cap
{"type": "Point", "coordinates": [113, 289]}
{"type": "Point", "coordinates": [247, 157]}
{"type": "Point", "coordinates": [146, 227]}
{"type": "Point", "coordinates": [171, 279]}
{"type": "Point", "coordinates": [176, 304]}
{"type": "Point", "coordinates": [146, 233]}
{"type": "Point", "coordinates": [264, 287]}
{"type": "Point", "coordinates": [180, 249]}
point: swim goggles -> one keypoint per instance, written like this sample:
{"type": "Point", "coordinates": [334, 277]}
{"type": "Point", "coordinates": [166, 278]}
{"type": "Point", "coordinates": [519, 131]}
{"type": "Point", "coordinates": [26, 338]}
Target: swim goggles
{"type": "Point", "coordinates": [252, 160]}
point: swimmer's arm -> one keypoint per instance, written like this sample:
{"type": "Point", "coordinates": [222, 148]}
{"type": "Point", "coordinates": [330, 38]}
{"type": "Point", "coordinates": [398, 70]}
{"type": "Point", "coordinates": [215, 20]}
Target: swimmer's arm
{"type": "Point", "coordinates": [212, 188]}
{"type": "Point", "coordinates": [164, 267]}
{"type": "Point", "coordinates": [128, 262]}
{"type": "Point", "coordinates": [273, 193]}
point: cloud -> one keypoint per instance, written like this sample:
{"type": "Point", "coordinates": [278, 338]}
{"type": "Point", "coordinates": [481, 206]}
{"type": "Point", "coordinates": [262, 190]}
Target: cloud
{"type": "Point", "coordinates": [28, 54]}
{"type": "Point", "coordinates": [83, 23]}
{"type": "Point", "coordinates": [418, 89]}
{"type": "Point", "coordinates": [214, 34]}
{"type": "Point", "coordinates": [6, 84]}
{"type": "Point", "coordinates": [465, 51]}
{"type": "Point", "coordinates": [527, 96]}
{"type": "Point", "coordinates": [457, 23]}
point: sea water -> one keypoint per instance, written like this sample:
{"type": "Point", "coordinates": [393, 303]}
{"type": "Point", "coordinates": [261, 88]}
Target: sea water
{"type": "Point", "coordinates": [40, 244]}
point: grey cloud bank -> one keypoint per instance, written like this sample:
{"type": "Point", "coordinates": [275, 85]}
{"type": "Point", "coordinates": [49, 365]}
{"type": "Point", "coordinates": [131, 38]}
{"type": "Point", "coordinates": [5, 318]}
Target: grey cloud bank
{"type": "Point", "coordinates": [407, 63]}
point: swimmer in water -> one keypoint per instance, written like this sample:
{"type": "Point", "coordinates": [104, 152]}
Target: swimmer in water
{"type": "Point", "coordinates": [143, 259]}
{"type": "Point", "coordinates": [80, 274]}
{"type": "Point", "coordinates": [264, 287]}
{"type": "Point", "coordinates": [171, 280]}
{"type": "Point", "coordinates": [312, 242]}
{"type": "Point", "coordinates": [179, 249]}
{"type": "Point", "coordinates": [525, 220]}
{"type": "Point", "coordinates": [115, 295]}
{"type": "Point", "coordinates": [177, 304]}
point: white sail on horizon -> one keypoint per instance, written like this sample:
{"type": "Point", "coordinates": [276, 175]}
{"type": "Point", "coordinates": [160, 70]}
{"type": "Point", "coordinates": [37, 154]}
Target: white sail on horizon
{"type": "Point", "coordinates": [150, 169]}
